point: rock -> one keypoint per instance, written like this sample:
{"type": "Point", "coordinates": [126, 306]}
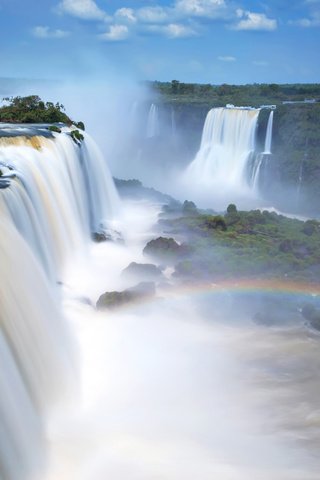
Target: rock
{"type": "Point", "coordinates": [99, 237]}
{"type": "Point", "coordinates": [145, 271]}
{"type": "Point", "coordinates": [163, 249]}
{"type": "Point", "coordinates": [107, 236]}
{"type": "Point", "coordinates": [113, 300]}
{"type": "Point", "coordinates": [312, 314]}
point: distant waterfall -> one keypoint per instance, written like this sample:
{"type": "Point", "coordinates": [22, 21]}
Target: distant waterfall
{"type": "Point", "coordinates": [53, 193]}
{"type": "Point", "coordinates": [153, 124]}
{"type": "Point", "coordinates": [173, 124]}
{"type": "Point", "coordinates": [268, 141]}
{"type": "Point", "coordinates": [224, 160]}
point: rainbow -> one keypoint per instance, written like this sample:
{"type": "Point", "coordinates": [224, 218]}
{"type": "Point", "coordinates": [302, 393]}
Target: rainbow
{"type": "Point", "coordinates": [251, 285]}
{"type": "Point", "coordinates": [239, 286]}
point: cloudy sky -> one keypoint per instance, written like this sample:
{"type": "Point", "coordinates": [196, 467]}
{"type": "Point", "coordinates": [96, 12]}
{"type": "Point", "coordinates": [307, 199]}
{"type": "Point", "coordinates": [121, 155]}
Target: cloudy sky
{"type": "Point", "coordinates": [210, 41]}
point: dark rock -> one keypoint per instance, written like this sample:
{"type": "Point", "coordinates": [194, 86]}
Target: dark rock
{"type": "Point", "coordinates": [312, 314]}
{"type": "Point", "coordinates": [113, 300]}
{"type": "Point", "coordinates": [107, 236]}
{"type": "Point", "coordinates": [101, 237]}
{"type": "Point", "coordinates": [164, 249]}
{"type": "Point", "coordinates": [146, 271]}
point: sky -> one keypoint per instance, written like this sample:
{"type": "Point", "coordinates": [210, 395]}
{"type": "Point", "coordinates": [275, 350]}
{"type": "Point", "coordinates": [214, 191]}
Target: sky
{"type": "Point", "coordinates": [205, 41]}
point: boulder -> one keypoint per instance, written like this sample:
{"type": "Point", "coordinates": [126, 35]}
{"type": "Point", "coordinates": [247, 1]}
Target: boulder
{"type": "Point", "coordinates": [144, 271]}
{"type": "Point", "coordinates": [163, 249]}
{"type": "Point", "coordinates": [113, 300]}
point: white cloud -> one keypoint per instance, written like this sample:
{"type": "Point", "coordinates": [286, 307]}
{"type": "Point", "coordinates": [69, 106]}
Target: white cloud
{"type": "Point", "coordinates": [254, 21]}
{"type": "Point", "coordinates": [153, 14]}
{"type": "Point", "coordinates": [227, 58]}
{"type": "Point", "coordinates": [173, 30]}
{"type": "Point", "coordinates": [201, 8]}
{"type": "Point", "coordinates": [126, 15]}
{"type": "Point", "coordinates": [46, 32]}
{"type": "Point", "coordinates": [313, 21]}
{"type": "Point", "coordinates": [176, 30]}
{"type": "Point", "coordinates": [84, 9]}
{"type": "Point", "coordinates": [116, 33]}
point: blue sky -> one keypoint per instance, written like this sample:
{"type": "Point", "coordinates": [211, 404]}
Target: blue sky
{"type": "Point", "coordinates": [209, 41]}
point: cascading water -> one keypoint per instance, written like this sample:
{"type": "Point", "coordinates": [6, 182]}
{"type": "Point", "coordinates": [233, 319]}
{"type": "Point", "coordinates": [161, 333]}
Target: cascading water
{"type": "Point", "coordinates": [262, 158]}
{"type": "Point", "coordinates": [35, 364]}
{"type": "Point", "coordinates": [224, 160]}
{"type": "Point", "coordinates": [173, 124]}
{"type": "Point", "coordinates": [268, 141]}
{"type": "Point", "coordinates": [58, 193]}
{"type": "Point", "coordinates": [169, 389]}
{"type": "Point", "coordinates": [53, 193]}
{"type": "Point", "coordinates": [153, 125]}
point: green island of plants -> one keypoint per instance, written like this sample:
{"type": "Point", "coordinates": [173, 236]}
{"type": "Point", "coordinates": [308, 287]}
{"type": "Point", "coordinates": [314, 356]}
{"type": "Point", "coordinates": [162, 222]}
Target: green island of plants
{"type": "Point", "coordinates": [243, 244]}
{"type": "Point", "coordinates": [33, 110]}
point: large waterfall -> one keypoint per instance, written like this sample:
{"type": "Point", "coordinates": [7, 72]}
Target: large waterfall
{"type": "Point", "coordinates": [224, 163]}
{"type": "Point", "coordinates": [58, 193]}
{"type": "Point", "coordinates": [53, 193]}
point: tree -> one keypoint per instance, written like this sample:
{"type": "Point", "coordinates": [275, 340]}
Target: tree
{"type": "Point", "coordinates": [32, 109]}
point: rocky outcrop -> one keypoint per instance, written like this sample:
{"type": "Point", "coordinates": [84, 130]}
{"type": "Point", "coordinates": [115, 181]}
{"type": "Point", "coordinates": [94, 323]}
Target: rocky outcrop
{"type": "Point", "coordinates": [136, 294]}
{"type": "Point", "coordinates": [143, 271]}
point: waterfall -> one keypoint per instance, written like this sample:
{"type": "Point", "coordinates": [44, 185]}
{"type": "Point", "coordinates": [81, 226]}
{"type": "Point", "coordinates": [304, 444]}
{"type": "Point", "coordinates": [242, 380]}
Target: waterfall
{"type": "Point", "coordinates": [226, 151]}
{"type": "Point", "coordinates": [268, 141]}
{"type": "Point", "coordinates": [173, 124]}
{"type": "Point", "coordinates": [59, 192]}
{"type": "Point", "coordinates": [35, 367]}
{"type": "Point", "coordinates": [153, 126]}
{"type": "Point", "coordinates": [53, 194]}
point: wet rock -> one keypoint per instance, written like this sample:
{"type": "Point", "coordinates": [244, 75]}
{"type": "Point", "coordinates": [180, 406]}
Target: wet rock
{"type": "Point", "coordinates": [145, 271]}
{"type": "Point", "coordinates": [113, 300]}
{"type": "Point", "coordinates": [107, 236]}
{"type": "Point", "coordinates": [163, 249]}
{"type": "Point", "coordinates": [312, 314]}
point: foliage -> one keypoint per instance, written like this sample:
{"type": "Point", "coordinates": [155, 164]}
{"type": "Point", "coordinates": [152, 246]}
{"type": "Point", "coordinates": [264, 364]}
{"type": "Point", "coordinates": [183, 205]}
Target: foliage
{"type": "Point", "coordinates": [54, 128]}
{"type": "Point", "coordinates": [76, 136]}
{"type": "Point", "coordinates": [251, 94]}
{"type": "Point", "coordinates": [254, 243]}
{"type": "Point", "coordinates": [32, 109]}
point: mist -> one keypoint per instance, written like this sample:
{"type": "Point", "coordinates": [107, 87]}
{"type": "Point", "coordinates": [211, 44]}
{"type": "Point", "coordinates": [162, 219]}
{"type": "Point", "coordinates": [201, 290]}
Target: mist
{"type": "Point", "coordinates": [201, 380]}
{"type": "Point", "coordinates": [170, 388]}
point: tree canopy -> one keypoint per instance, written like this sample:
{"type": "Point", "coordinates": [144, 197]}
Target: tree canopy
{"type": "Point", "coordinates": [32, 109]}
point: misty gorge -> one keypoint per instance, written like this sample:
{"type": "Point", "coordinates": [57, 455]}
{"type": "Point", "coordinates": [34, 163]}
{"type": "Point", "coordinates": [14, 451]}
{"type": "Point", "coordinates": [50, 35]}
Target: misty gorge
{"type": "Point", "coordinates": [159, 288]}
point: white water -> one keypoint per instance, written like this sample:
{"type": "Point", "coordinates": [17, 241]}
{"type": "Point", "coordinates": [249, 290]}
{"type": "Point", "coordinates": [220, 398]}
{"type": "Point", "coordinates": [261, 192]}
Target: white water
{"type": "Point", "coordinates": [164, 393]}
{"type": "Point", "coordinates": [60, 194]}
{"type": "Point", "coordinates": [169, 394]}
{"type": "Point", "coordinates": [268, 141]}
{"type": "Point", "coordinates": [173, 124]}
{"type": "Point", "coordinates": [153, 123]}
{"type": "Point", "coordinates": [34, 354]}
{"type": "Point", "coordinates": [223, 164]}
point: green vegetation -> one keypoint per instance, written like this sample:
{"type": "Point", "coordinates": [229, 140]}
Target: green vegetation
{"type": "Point", "coordinates": [246, 244]}
{"type": "Point", "coordinates": [218, 95]}
{"type": "Point", "coordinates": [54, 128]}
{"type": "Point", "coordinates": [32, 109]}
{"type": "Point", "coordinates": [76, 136]}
